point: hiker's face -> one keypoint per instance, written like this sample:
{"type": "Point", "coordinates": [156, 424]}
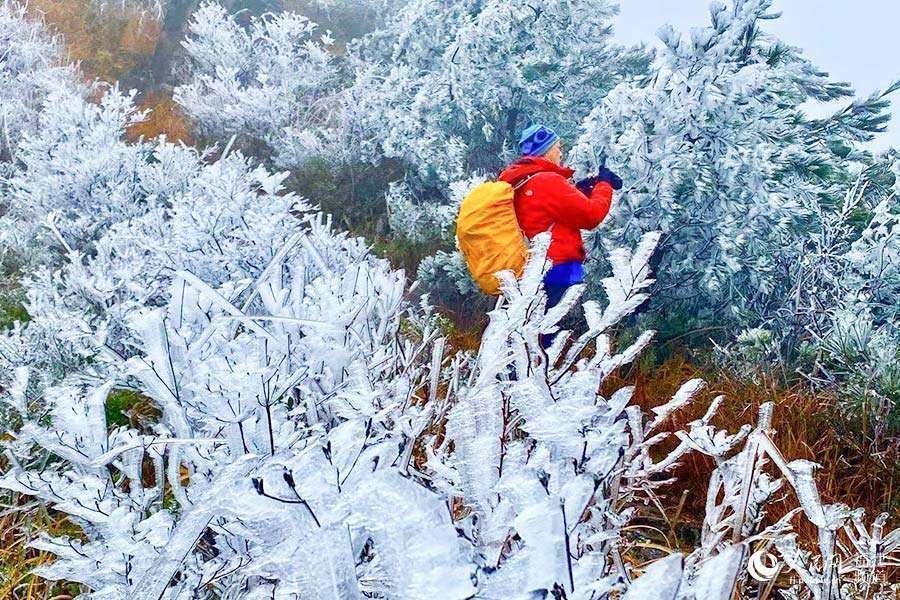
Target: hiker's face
{"type": "Point", "coordinates": [555, 153]}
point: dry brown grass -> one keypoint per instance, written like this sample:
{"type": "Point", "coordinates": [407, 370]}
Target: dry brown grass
{"type": "Point", "coordinates": [22, 522]}
{"type": "Point", "coordinates": [466, 340]}
{"type": "Point", "coordinates": [806, 424]}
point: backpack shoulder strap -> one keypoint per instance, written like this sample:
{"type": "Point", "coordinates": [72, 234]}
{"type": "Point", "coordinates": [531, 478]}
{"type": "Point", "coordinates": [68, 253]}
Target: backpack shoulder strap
{"type": "Point", "coordinates": [524, 180]}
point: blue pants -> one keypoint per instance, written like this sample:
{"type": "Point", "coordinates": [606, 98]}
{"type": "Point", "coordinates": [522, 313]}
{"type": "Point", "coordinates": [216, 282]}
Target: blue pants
{"type": "Point", "coordinates": [555, 293]}
{"type": "Point", "coordinates": [557, 280]}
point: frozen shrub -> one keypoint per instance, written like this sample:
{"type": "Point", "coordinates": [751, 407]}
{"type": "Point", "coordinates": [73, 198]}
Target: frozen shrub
{"type": "Point", "coordinates": [272, 82]}
{"type": "Point", "coordinates": [32, 65]}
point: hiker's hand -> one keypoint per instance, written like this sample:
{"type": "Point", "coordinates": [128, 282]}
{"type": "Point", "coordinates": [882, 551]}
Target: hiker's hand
{"type": "Point", "coordinates": [586, 185]}
{"type": "Point", "coordinates": [609, 177]}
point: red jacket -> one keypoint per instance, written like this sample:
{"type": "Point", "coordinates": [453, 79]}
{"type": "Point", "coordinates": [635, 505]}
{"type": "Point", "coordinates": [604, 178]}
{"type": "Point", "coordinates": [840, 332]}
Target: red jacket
{"type": "Point", "coordinates": [549, 199]}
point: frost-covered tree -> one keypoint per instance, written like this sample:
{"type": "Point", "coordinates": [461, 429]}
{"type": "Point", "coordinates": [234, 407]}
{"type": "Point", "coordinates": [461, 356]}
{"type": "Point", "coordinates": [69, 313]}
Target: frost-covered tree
{"type": "Point", "coordinates": [348, 19]}
{"type": "Point", "coordinates": [446, 87]}
{"type": "Point", "coordinates": [271, 82]}
{"type": "Point", "coordinates": [224, 220]}
{"type": "Point", "coordinates": [534, 454]}
{"type": "Point", "coordinates": [842, 313]}
{"type": "Point", "coordinates": [717, 153]}
{"type": "Point", "coordinates": [77, 176]}
{"type": "Point", "coordinates": [104, 223]}
{"type": "Point", "coordinates": [32, 65]}
{"type": "Point", "coordinates": [77, 181]}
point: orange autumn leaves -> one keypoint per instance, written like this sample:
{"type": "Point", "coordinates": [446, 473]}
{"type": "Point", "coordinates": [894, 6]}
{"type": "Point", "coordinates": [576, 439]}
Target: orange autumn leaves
{"type": "Point", "coordinates": [109, 44]}
{"type": "Point", "coordinates": [165, 118]}
{"type": "Point", "coordinates": [117, 43]}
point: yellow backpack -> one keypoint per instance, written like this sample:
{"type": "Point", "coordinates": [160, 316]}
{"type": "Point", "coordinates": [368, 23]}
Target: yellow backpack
{"type": "Point", "coordinates": [488, 234]}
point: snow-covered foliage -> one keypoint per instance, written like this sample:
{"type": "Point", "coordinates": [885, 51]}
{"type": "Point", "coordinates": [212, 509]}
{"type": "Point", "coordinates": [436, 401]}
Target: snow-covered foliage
{"type": "Point", "coordinates": [31, 65]}
{"type": "Point", "coordinates": [845, 299]}
{"type": "Point", "coordinates": [314, 440]}
{"type": "Point", "coordinates": [537, 459]}
{"type": "Point", "coordinates": [838, 319]}
{"type": "Point", "coordinates": [78, 176]}
{"type": "Point", "coordinates": [718, 154]}
{"type": "Point", "coordinates": [296, 383]}
{"type": "Point", "coordinates": [768, 231]}
{"type": "Point", "coordinates": [224, 221]}
{"type": "Point", "coordinates": [422, 222]}
{"type": "Point", "coordinates": [315, 437]}
{"type": "Point", "coordinates": [446, 87]}
{"type": "Point", "coordinates": [104, 224]}
{"type": "Point", "coordinates": [271, 82]}
{"type": "Point", "coordinates": [151, 8]}
{"type": "Point", "coordinates": [164, 256]}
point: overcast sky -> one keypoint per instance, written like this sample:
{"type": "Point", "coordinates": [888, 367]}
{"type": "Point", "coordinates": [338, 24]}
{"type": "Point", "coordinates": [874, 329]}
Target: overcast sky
{"type": "Point", "coordinates": [854, 40]}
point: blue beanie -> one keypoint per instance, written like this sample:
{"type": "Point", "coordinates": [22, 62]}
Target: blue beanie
{"type": "Point", "coordinates": [536, 140]}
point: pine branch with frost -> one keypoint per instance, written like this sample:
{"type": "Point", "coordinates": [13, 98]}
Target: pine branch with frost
{"type": "Point", "coordinates": [735, 186]}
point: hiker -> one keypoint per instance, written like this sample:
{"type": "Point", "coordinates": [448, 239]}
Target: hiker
{"type": "Point", "coordinates": [546, 200]}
